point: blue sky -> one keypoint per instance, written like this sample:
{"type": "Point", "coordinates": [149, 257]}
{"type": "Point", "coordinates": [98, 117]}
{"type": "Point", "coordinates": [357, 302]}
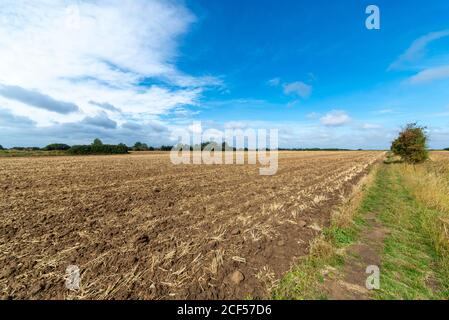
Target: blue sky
{"type": "Point", "coordinates": [124, 71]}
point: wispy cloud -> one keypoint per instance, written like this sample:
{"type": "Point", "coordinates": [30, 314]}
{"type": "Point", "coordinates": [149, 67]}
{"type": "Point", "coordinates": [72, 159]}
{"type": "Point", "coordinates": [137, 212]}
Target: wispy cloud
{"type": "Point", "coordinates": [105, 106]}
{"type": "Point", "coordinates": [385, 111]}
{"type": "Point", "coordinates": [37, 99]}
{"type": "Point", "coordinates": [430, 74]}
{"type": "Point", "coordinates": [297, 88]}
{"type": "Point", "coordinates": [371, 126]}
{"type": "Point", "coordinates": [274, 82]}
{"type": "Point", "coordinates": [293, 103]}
{"type": "Point", "coordinates": [313, 115]}
{"type": "Point", "coordinates": [417, 49]}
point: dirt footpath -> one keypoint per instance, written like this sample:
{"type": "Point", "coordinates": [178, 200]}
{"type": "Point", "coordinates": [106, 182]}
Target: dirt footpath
{"type": "Point", "coordinates": [350, 283]}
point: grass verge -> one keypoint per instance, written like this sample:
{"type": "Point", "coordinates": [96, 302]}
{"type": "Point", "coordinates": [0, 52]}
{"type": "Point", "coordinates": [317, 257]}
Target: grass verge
{"type": "Point", "coordinates": [413, 203]}
{"type": "Point", "coordinates": [414, 262]}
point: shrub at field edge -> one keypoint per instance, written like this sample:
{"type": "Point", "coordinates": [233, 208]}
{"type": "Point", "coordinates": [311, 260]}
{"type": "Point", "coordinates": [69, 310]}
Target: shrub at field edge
{"type": "Point", "coordinates": [411, 144]}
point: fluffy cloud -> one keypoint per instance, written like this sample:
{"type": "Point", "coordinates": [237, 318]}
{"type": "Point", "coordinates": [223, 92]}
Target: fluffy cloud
{"type": "Point", "coordinates": [7, 119]}
{"type": "Point", "coordinates": [100, 120]}
{"type": "Point", "coordinates": [335, 118]}
{"type": "Point", "coordinates": [88, 62]}
{"type": "Point", "coordinates": [297, 88]}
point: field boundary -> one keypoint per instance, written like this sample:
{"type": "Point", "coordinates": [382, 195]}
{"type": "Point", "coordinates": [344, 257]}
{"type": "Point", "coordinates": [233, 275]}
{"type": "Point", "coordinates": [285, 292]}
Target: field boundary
{"type": "Point", "coordinates": [393, 230]}
{"type": "Point", "coordinates": [306, 278]}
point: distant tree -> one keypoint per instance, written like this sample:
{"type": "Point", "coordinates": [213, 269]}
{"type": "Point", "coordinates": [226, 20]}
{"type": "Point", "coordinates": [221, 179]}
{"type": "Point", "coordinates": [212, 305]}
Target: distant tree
{"type": "Point", "coordinates": [165, 148]}
{"type": "Point", "coordinates": [447, 149]}
{"type": "Point", "coordinates": [26, 148]}
{"type": "Point", "coordinates": [139, 146]}
{"type": "Point", "coordinates": [411, 144]}
{"type": "Point", "coordinates": [97, 142]}
{"type": "Point", "coordinates": [226, 147]}
{"type": "Point", "coordinates": [98, 149]}
{"type": "Point", "coordinates": [57, 146]}
{"type": "Point", "coordinates": [210, 145]}
{"type": "Point", "coordinates": [1, 147]}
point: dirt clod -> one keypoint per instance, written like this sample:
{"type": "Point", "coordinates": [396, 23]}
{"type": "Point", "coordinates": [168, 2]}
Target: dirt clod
{"type": "Point", "coordinates": [281, 243]}
{"type": "Point", "coordinates": [235, 232]}
{"type": "Point", "coordinates": [236, 277]}
{"type": "Point", "coordinates": [142, 239]}
{"type": "Point", "coordinates": [36, 288]}
{"type": "Point", "coordinates": [315, 227]}
{"type": "Point", "coordinates": [7, 272]}
{"type": "Point", "coordinates": [302, 223]}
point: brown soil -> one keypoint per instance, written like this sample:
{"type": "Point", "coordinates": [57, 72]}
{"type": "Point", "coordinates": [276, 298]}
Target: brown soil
{"type": "Point", "coordinates": [139, 227]}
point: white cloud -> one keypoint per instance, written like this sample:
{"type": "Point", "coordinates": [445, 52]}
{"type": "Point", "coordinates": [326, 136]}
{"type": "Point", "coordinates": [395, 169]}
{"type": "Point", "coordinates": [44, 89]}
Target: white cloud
{"type": "Point", "coordinates": [385, 111]}
{"type": "Point", "coordinates": [195, 127]}
{"type": "Point", "coordinates": [430, 74]}
{"type": "Point", "coordinates": [371, 126]}
{"type": "Point", "coordinates": [274, 82]}
{"type": "Point", "coordinates": [100, 120]}
{"type": "Point", "coordinates": [292, 103]}
{"type": "Point", "coordinates": [37, 99]}
{"type": "Point", "coordinates": [335, 118]}
{"type": "Point", "coordinates": [236, 125]}
{"type": "Point", "coordinates": [78, 52]}
{"type": "Point", "coordinates": [417, 49]}
{"type": "Point", "coordinates": [298, 88]}
{"type": "Point", "coordinates": [313, 115]}
{"type": "Point", "coordinates": [105, 106]}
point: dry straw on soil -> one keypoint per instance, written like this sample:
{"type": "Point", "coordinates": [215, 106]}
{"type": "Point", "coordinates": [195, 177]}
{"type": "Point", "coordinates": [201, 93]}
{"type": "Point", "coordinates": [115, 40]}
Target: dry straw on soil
{"type": "Point", "coordinates": [139, 227]}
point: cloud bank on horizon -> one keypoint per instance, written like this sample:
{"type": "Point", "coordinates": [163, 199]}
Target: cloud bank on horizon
{"type": "Point", "coordinates": [128, 71]}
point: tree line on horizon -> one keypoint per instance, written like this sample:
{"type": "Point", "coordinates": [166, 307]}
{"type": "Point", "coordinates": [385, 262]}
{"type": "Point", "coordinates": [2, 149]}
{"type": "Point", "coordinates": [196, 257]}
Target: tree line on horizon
{"type": "Point", "coordinates": [96, 147]}
{"type": "Point", "coordinates": [410, 145]}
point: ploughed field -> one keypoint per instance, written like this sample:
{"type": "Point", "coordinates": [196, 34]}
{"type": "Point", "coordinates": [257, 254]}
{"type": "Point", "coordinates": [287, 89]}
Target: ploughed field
{"type": "Point", "coordinates": [139, 227]}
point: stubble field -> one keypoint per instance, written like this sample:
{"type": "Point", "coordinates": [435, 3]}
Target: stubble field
{"type": "Point", "coordinates": [139, 227]}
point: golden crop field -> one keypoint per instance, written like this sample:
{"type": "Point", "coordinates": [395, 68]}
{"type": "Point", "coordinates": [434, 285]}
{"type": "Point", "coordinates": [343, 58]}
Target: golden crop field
{"type": "Point", "coordinates": [140, 227]}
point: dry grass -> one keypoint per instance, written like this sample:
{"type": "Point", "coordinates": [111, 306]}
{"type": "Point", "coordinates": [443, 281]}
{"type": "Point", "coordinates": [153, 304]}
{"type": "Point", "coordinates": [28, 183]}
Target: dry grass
{"type": "Point", "coordinates": [429, 184]}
